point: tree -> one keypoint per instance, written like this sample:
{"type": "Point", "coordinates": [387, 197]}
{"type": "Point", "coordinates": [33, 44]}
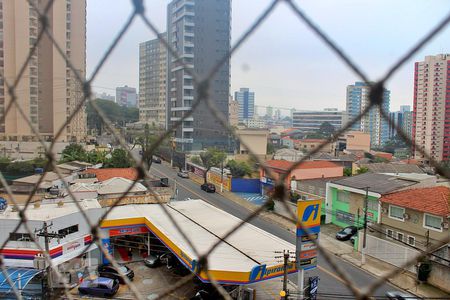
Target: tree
{"type": "Point", "coordinates": [73, 152]}
{"type": "Point", "coordinates": [20, 167]}
{"type": "Point", "coordinates": [326, 129]}
{"type": "Point", "coordinates": [119, 159]}
{"type": "Point", "coordinates": [270, 148]}
{"type": "Point", "coordinates": [212, 157]}
{"type": "Point", "coordinates": [146, 141]}
{"type": "Point", "coordinates": [97, 157]}
{"type": "Point", "coordinates": [362, 170]}
{"type": "Point", "coordinates": [348, 172]}
{"type": "Point", "coordinates": [116, 114]}
{"type": "Point", "coordinates": [196, 160]}
{"type": "Point", "coordinates": [239, 169]}
{"type": "Point", "coordinates": [395, 143]}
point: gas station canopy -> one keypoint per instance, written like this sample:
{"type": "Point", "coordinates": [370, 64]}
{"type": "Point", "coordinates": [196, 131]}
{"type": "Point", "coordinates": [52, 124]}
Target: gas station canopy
{"type": "Point", "coordinates": [246, 256]}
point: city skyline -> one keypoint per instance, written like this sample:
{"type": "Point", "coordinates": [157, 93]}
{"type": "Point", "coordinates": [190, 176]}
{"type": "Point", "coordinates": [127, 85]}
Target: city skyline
{"type": "Point", "coordinates": [286, 84]}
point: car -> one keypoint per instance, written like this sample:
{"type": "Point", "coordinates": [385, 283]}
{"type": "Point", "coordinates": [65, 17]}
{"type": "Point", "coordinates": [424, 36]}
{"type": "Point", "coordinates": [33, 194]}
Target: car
{"type": "Point", "coordinates": [183, 174]}
{"type": "Point", "coordinates": [100, 286]}
{"type": "Point", "coordinates": [110, 272]}
{"type": "Point", "coordinates": [152, 261]}
{"type": "Point", "coordinates": [208, 187]}
{"type": "Point", "coordinates": [398, 295]}
{"type": "Point", "coordinates": [346, 233]}
{"type": "Point", "coordinates": [156, 160]}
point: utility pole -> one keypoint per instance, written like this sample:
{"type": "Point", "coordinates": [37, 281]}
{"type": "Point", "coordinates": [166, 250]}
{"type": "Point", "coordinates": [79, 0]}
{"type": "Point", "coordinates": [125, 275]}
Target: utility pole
{"type": "Point", "coordinates": [285, 274]}
{"type": "Point", "coordinates": [48, 236]}
{"type": "Point", "coordinates": [221, 177]}
{"type": "Point", "coordinates": [366, 204]}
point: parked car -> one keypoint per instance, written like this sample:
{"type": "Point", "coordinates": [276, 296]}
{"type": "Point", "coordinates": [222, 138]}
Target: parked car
{"type": "Point", "coordinates": [152, 261]}
{"type": "Point", "coordinates": [208, 187]}
{"type": "Point", "coordinates": [110, 272]}
{"type": "Point", "coordinates": [174, 265]}
{"type": "Point", "coordinates": [183, 174]}
{"type": "Point", "coordinates": [101, 286]}
{"type": "Point", "coordinates": [398, 295]}
{"type": "Point", "coordinates": [346, 233]}
{"type": "Point", "coordinates": [156, 160]}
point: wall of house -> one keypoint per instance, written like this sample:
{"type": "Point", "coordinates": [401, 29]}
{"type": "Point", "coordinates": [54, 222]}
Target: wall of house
{"type": "Point", "coordinates": [317, 173]}
{"type": "Point", "coordinates": [440, 276]}
{"type": "Point", "coordinates": [413, 226]}
{"type": "Point", "coordinates": [345, 212]}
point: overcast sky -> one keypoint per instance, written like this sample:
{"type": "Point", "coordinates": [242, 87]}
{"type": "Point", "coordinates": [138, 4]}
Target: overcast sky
{"type": "Point", "coordinates": [284, 63]}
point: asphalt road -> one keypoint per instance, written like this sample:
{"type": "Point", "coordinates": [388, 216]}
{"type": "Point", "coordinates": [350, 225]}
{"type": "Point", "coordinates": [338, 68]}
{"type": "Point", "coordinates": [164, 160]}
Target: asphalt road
{"type": "Point", "coordinates": [330, 282]}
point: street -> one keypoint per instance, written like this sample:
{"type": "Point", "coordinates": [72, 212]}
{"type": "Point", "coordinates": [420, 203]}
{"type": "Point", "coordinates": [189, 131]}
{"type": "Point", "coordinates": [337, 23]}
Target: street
{"type": "Point", "coordinates": [330, 282]}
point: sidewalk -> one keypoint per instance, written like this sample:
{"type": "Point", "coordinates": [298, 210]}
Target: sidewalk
{"type": "Point", "coordinates": [403, 279]}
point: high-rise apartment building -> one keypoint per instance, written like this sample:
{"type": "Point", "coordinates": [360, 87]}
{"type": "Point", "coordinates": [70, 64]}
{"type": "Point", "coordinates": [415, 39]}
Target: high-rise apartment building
{"type": "Point", "coordinates": [396, 118]}
{"type": "Point", "coordinates": [199, 31]}
{"type": "Point", "coordinates": [407, 122]}
{"type": "Point", "coordinates": [373, 122]}
{"type": "Point", "coordinates": [431, 112]}
{"type": "Point", "coordinates": [126, 96]}
{"type": "Point", "coordinates": [246, 100]}
{"type": "Point", "coordinates": [311, 120]}
{"type": "Point", "coordinates": [48, 91]}
{"type": "Point", "coordinates": [152, 81]}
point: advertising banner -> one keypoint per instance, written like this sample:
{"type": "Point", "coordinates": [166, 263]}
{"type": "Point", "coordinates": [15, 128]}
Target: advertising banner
{"type": "Point", "coordinates": [308, 213]}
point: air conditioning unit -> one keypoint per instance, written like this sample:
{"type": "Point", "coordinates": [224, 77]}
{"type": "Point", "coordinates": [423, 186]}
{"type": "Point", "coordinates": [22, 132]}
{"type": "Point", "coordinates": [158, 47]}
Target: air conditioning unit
{"type": "Point", "coordinates": [445, 225]}
{"type": "Point", "coordinates": [406, 216]}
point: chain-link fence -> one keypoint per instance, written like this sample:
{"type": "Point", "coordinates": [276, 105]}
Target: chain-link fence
{"type": "Point", "coordinates": [202, 86]}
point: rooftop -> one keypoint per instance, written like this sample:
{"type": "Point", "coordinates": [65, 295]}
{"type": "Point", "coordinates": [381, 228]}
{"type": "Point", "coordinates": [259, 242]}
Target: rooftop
{"type": "Point", "coordinates": [433, 200]}
{"type": "Point", "coordinates": [285, 165]}
{"type": "Point", "coordinates": [115, 185]}
{"type": "Point", "coordinates": [391, 168]}
{"type": "Point", "coordinates": [377, 183]}
{"type": "Point", "coordinates": [49, 211]}
{"type": "Point", "coordinates": [204, 224]}
{"type": "Point", "coordinates": [108, 173]}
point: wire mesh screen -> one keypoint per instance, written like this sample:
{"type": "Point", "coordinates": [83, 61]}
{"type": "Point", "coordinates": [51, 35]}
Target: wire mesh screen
{"type": "Point", "coordinates": [202, 86]}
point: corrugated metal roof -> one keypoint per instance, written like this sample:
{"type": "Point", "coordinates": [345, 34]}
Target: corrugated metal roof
{"type": "Point", "coordinates": [377, 183]}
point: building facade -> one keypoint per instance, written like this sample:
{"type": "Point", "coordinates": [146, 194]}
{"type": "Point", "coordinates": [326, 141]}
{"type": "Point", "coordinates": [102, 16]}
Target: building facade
{"type": "Point", "coordinates": [152, 81]}
{"type": "Point", "coordinates": [311, 120]}
{"type": "Point", "coordinates": [357, 100]}
{"type": "Point", "coordinates": [431, 110]}
{"type": "Point", "coordinates": [246, 100]}
{"type": "Point", "coordinates": [407, 123]}
{"type": "Point", "coordinates": [233, 113]}
{"type": "Point", "coordinates": [200, 32]}
{"type": "Point", "coordinates": [126, 96]}
{"type": "Point", "coordinates": [48, 91]}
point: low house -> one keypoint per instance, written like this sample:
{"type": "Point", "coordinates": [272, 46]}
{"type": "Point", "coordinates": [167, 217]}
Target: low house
{"type": "Point", "coordinates": [418, 217]}
{"type": "Point", "coordinates": [287, 142]}
{"type": "Point", "coordinates": [108, 173]}
{"type": "Point", "coordinates": [390, 168]}
{"type": "Point", "coordinates": [308, 145]}
{"type": "Point", "coordinates": [305, 170]}
{"type": "Point", "coordinates": [354, 140]}
{"type": "Point", "coordinates": [288, 154]}
{"type": "Point", "coordinates": [345, 200]}
{"type": "Point", "coordinates": [46, 181]}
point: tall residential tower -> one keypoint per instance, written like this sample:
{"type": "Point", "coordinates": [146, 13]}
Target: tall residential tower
{"type": "Point", "coordinates": [48, 91]}
{"type": "Point", "coordinates": [431, 129]}
{"type": "Point", "coordinates": [372, 122]}
{"type": "Point", "coordinates": [199, 31]}
{"type": "Point", "coordinates": [246, 100]}
{"type": "Point", "coordinates": [152, 81]}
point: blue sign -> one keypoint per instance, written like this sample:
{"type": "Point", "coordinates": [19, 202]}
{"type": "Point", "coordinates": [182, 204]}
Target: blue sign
{"type": "Point", "coordinates": [313, 287]}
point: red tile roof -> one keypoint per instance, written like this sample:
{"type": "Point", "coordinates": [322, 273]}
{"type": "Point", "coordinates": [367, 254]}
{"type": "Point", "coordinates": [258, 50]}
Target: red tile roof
{"type": "Point", "coordinates": [285, 165]}
{"type": "Point", "coordinates": [434, 200]}
{"type": "Point", "coordinates": [108, 173]}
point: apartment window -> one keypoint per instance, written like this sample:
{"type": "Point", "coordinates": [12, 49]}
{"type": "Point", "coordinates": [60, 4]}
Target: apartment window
{"type": "Point", "coordinates": [400, 236]}
{"type": "Point", "coordinates": [411, 240]}
{"type": "Point", "coordinates": [432, 222]}
{"type": "Point", "coordinates": [396, 212]}
{"type": "Point", "coordinates": [68, 230]}
{"type": "Point", "coordinates": [19, 237]}
{"type": "Point", "coordinates": [372, 204]}
{"type": "Point", "coordinates": [389, 233]}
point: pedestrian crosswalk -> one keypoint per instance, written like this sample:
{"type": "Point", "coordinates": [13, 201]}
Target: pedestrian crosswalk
{"type": "Point", "coordinates": [256, 199]}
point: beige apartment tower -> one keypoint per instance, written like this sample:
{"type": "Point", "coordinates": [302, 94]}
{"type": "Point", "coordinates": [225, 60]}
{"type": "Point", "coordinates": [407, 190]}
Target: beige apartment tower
{"type": "Point", "coordinates": [431, 114]}
{"type": "Point", "coordinates": [152, 82]}
{"type": "Point", "coordinates": [48, 91]}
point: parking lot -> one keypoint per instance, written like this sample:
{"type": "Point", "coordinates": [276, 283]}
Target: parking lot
{"type": "Point", "coordinates": [150, 282]}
